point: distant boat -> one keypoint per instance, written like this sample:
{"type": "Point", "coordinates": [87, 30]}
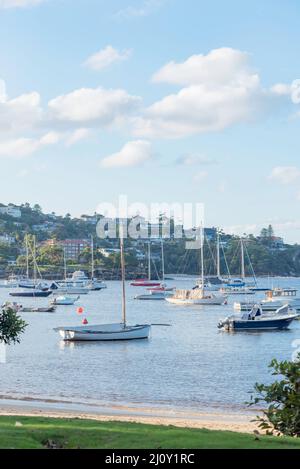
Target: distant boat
{"type": "Point", "coordinates": [197, 296]}
{"type": "Point", "coordinates": [256, 320]}
{"type": "Point", "coordinates": [64, 300]}
{"type": "Point", "coordinates": [146, 282]}
{"type": "Point", "coordinates": [108, 332]}
{"type": "Point", "coordinates": [31, 293]}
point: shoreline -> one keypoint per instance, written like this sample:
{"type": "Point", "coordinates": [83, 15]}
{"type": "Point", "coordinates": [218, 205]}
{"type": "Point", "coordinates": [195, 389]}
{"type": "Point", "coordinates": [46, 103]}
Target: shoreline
{"type": "Point", "coordinates": [226, 421]}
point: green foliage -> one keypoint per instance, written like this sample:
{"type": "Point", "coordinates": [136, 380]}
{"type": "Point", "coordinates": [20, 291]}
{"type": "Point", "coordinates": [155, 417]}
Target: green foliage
{"type": "Point", "coordinates": [283, 399]}
{"type": "Point", "coordinates": [11, 326]}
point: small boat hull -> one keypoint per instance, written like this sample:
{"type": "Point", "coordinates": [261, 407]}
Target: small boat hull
{"type": "Point", "coordinates": [104, 333]}
{"type": "Point", "coordinates": [217, 301]}
{"type": "Point", "coordinates": [31, 294]}
{"type": "Point", "coordinates": [267, 324]}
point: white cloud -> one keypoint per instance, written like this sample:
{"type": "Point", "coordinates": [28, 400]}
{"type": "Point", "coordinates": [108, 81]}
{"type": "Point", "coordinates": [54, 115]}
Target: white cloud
{"type": "Point", "coordinates": [285, 174]}
{"type": "Point", "coordinates": [145, 8]}
{"type": "Point", "coordinates": [19, 3]}
{"type": "Point", "coordinates": [77, 136]}
{"type": "Point", "coordinates": [19, 114]}
{"type": "Point", "coordinates": [281, 89]}
{"type": "Point", "coordinates": [106, 57]}
{"type": "Point", "coordinates": [93, 105]}
{"type": "Point", "coordinates": [220, 90]}
{"type": "Point", "coordinates": [22, 147]}
{"type": "Point", "coordinates": [224, 66]}
{"type": "Point", "coordinates": [132, 154]}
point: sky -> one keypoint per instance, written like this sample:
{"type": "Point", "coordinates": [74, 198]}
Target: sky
{"type": "Point", "coordinates": [163, 101]}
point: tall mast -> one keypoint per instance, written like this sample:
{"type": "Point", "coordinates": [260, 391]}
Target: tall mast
{"type": "Point", "coordinates": [27, 257]}
{"type": "Point", "coordinates": [202, 257]}
{"type": "Point", "coordinates": [65, 264]}
{"type": "Point", "coordinates": [123, 280]}
{"type": "Point", "coordinates": [218, 255]}
{"type": "Point", "coordinates": [162, 260]}
{"type": "Point", "coordinates": [34, 260]}
{"type": "Point", "coordinates": [149, 261]}
{"type": "Point", "coordinates": [92, 250]}
{"type": "Point", "coordinates": [242, 259]}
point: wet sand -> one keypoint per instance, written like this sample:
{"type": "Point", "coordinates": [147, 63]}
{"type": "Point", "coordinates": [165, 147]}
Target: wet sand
{"type": "Point", "coordinates": [218, 420]}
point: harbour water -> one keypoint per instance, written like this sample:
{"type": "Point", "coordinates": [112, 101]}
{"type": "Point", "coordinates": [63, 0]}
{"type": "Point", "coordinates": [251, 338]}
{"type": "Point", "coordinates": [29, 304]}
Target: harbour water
{"type": "Point", "coordinates": [189, 365]}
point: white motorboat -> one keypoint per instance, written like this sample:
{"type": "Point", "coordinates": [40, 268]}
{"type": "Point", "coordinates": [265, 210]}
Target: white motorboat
{"type": "Point", "coordinates": [69, 288]}
{"type": "Point", "coordinates": [237, 291]}
{"type": "Point", "coordinates": [64, 300]}
{"type": "Point", "coordinates": [197, 296]}
{"type": "Point", "coordinates": [154, 295]}
{"type": "Point", "coordinates": [279, 296]}
{"type": "Point", "coordinates": [108, 332]}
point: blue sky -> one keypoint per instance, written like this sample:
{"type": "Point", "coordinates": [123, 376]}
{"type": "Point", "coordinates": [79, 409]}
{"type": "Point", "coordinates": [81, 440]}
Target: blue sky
{"type": "Point", "coordinates": [162, 100]}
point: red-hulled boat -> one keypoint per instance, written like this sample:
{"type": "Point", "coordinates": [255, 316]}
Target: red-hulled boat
{"type": "Point", "coordinates": [145, 283]}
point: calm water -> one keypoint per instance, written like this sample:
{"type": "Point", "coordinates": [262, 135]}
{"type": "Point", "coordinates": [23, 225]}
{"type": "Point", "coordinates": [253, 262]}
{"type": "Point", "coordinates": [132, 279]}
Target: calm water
{"type": "Point", "coordinates": [190, 364]}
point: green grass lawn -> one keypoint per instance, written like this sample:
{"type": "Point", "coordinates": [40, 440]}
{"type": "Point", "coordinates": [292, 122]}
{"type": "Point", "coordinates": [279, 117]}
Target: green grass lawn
{"type": "Point", "coordinates": [35, 432]}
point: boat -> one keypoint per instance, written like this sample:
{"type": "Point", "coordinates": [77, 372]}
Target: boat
{"type": "Point", "coordinates": [278, 296]}
{"type": "Point", "coordinates": [161, 291]}
{"type": "Point", "coordinates": [93, 283]}
{"type": "Point", "coordinates": [49, 309]}
{"type": "Point", "coordinates": [64, 300]}
{"type": "Point", "coordinates": [197, 296]}
{"type": "Point", "coordinates": [108, 332]}
{"type": "Point", "coordinates": [237, 291]}
{"type": "Point", "coordinates": [153, 295]}
{"type": "Point", "coordinates": [239, 286]}
{"type": "Point", "coordinates": [34, 293]}
{"type": "Point", "coordinates": [12, 281]}
{"type": "Point", "coordinates": [146, 282]}
{"type": "Point", "coordinates": [256, 320]}
{"type": "Point", "coordinates": [68, 288]}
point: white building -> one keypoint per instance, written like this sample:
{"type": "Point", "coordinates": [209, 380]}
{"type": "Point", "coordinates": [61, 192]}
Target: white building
{"type": "Point", "coordinates": [6, 239]}
{"type": "Point", "coordinates": [11, 210]}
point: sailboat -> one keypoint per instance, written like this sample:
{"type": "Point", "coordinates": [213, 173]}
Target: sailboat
{"type": "Point", "coordinates": [36, 290]}
{"type": "Point", "coordinates": [93, 283]}
{"type": "Point", "coordinates": [160, 292]}
{"type": "Point", "coordinates": [238, 286]}
{"type": "Point", "coordinates": [108, 332]}
{"type": "Point", "coordinates": [197, 296]}
{"type": "Point", "coordinates": [141, 282]}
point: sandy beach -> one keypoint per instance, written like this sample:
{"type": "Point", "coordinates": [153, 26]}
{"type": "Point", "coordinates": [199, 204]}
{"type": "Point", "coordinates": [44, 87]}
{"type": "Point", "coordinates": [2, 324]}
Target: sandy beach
{"type": "Point", "coordinates": [218, 420]}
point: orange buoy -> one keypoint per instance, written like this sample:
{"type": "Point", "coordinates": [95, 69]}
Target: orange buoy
{"type": "Point", "coordinates": [80, 310]}
{"type": "Point", "coordinates": [84, 321]}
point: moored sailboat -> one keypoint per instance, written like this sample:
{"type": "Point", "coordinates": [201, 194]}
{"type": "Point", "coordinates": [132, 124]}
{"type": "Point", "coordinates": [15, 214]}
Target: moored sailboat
{"type": "Point", "coordinates": [108, 332]}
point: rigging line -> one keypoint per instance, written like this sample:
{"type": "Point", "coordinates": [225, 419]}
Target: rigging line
{"type": "Point", "coordinates": [251, 265]}
{"type": "Point", "coordinates": [226, 263]}
{"type": "Point", "coordinates": [212, 255]}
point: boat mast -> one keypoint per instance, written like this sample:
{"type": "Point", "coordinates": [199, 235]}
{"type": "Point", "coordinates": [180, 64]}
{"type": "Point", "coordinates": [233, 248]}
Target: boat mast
{"type": "Point", "coordinates": [162, 261]}
{"type": "Point", "coordinates": [65, 264]}
{"type": "Point", "coordinates": [123, 279]}
{"type": "Point", "coordinates": [92, 250]}
{"type": "Point", "coordinates": [34, 260]}
{"type": "Point", "coordinates": [242, 259]}
{"type": "Point", "coordinates": [27, 256]}
{"type": "Point", "coordinates": [202, 258]}
{"type": "Point", "coordinates": [218, 255]}
{"type": "Point", "coordinates": [149, 261]}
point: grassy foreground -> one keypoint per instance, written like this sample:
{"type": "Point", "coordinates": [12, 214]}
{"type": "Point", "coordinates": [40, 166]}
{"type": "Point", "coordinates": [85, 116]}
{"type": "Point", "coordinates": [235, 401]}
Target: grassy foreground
{"type": "Point", "coordinates": [38, 432]}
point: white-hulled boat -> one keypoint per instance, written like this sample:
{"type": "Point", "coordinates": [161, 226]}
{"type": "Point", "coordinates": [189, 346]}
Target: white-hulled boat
{"type": "Point", "coordinates": [237, 291]}
{"type": "Point", "coordinates": [197, 296]}
{"type": "Point", "coordinates": [64, 300]}
{"type": "Point", "coordinates": [105, 332]}
{"type": "Point", "coordinates": [108, 332]}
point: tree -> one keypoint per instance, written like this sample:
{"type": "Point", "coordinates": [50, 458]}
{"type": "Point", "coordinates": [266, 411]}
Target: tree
{"type": "Point", "coordinates": [270, 231]}
{"type": "Point", "coordinates": [283, 399]}
{"type": "Point", "coordinates": [11, 325]}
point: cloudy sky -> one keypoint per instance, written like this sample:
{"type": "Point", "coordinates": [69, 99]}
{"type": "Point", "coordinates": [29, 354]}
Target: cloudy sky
{"type": "Point", "coordinates": [161, 100]}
